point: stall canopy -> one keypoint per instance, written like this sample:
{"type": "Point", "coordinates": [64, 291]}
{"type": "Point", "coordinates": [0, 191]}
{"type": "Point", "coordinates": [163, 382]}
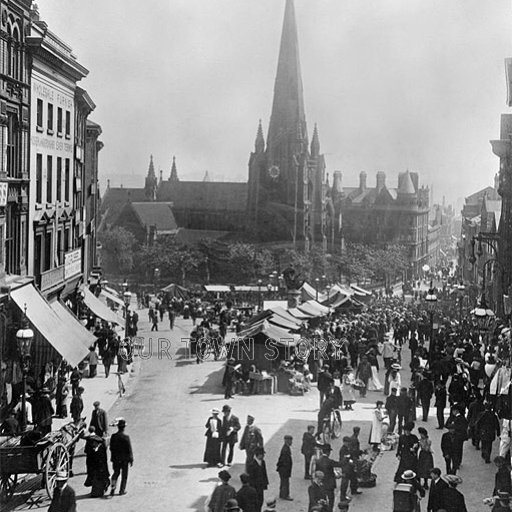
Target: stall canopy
{"type": "Point", "coordinates": [285, 321]}
{"type": "Point", "coordinates": [70, 340]}
{"type": "Point", "coordinates": [301, 315]}
{"type": "Point", "coordinates": [175, 290]}
{"type": "Point", "coordinates": [100, 309]}
{"type": "Point", "coordinates": [280, 336]}
{"type": "Point", "coordinates": [314, 308]}
{"type": "Point", "coordinates": [308, 292]}
{"type": "Point", "coordinates": [217, 288]}
{"type": "Point", "coordinates": [245, 288]}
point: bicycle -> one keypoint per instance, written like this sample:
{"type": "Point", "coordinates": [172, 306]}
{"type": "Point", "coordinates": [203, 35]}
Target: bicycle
{"type": "Point", "coordinates": [332, 426]}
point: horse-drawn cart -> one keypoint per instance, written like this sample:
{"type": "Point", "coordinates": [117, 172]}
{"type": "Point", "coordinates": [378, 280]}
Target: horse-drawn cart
{"type": "Point", "coordinates": [47, 456]}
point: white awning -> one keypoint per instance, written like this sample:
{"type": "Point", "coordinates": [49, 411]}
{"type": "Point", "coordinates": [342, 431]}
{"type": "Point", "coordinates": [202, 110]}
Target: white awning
{"type": "Point", "coordinates": [110, 296]}
{"type": "Point", "coordinates": [217, 288]}
{"type": "Point", "coordinates": [100, 309]}
{"type": "Point", "coordinates": [70, 341]}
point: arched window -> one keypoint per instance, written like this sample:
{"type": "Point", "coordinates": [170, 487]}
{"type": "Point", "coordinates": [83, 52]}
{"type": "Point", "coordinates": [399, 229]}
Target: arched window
{"type": "Point", "coordinates": [8, 61]}
{"type": "Point", "coordinates": [15, 52]}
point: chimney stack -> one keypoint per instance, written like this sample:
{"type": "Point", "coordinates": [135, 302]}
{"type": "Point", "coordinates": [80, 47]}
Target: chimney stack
{"type": "Point", "coordinates": [381, 181]}
{"type": "Point", "coordinates": [337, 186]}
{"type": "Point", "coordinates": [362, 181]}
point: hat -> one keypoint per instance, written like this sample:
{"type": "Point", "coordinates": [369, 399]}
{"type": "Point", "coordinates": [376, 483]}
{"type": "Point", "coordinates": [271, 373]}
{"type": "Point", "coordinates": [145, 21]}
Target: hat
{"type": "Point", "coordinates": [121, 422]}
{"type": "Point", "coordinates": [288, 436]}
{"type": "Point", "coordinates": [62, 476]}
{"type": "Point", "coordinates": [271, 502]}
{"type": "Point", "coordinates": [326, 448]}
{"type": "Point", "coordinates": [95, 403]}
{"type": "Point", "coordinates": [453, 480]}
{"type": "Point", "coordinates": [225, 408]}
{"type": "Point", "coordinates": [215, 411]}
{"type": "Point", "coordinates": [396, 366]}
{"type": "Point", "coordinates": [231, 504]}
{"type": "Point", "coordinates": [249, 417]}
{"type": "Point", "coordinates": [224, 475]}
{"type": "Point", "coordinates": [408, 475]}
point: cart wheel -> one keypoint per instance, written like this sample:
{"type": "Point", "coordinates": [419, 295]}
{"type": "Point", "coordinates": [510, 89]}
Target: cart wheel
{"type": "Point", "coordinates": [56, 460]}
{"type": "Point", "coordinates": [7, 486]}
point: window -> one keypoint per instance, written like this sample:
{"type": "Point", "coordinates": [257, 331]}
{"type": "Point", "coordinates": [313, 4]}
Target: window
{"type": "Point", "coordinates": [66, 181]}
{"type": "Point", "coordinates": [15, 54]}
{"type": "Point", "coordinates": [13, 137]}
{"type": "Point", "coordinates": [60, 254]}
{"type": "Point", "coordinates": [49, 179]}
{"type": "Point", "coordinates": [59, 122]}
{"type": "Point", "coordinates": [66, 240]}
{"type": "Point", "coordinates": [50, 118]}
{"type": "Point", "coordinates": [59, 179]}
{"type": "Point", "coordinates": [39, 178]}
{"type": "Point", "coordinates": [40, 115]}
{"type": "Point", "coordinates": [68, 124]}
{"type": "Point", "coordinates": [38, 255]}
{"type": "Point", "coordinates": [47, 251]}
{"type": "Point", "coordinates": [11, 239]}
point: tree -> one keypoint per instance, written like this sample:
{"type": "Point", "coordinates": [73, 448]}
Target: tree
{"type": "Point", "coordinates": [117, 250]}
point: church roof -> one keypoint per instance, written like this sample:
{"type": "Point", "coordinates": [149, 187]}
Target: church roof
{"type": "Point", "coordinates": [156, 214]}
{"type": "Point", "coordinates": [204, 195]}
{"type": "Point", "coordinates": [114, 199]}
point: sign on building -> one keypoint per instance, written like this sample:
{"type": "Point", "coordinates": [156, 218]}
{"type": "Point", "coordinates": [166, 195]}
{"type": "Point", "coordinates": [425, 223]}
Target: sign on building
{"type": "Point", "coordinates": [72, 263]}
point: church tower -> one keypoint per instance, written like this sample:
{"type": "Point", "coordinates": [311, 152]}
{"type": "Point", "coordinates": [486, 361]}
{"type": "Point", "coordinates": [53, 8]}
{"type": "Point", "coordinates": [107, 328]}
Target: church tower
{"type": "Point", "coordinates": [286, 179]}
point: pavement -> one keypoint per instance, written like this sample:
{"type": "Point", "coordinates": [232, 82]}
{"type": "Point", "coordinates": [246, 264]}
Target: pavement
{"type": "Point", "coordinates": [167, 405]}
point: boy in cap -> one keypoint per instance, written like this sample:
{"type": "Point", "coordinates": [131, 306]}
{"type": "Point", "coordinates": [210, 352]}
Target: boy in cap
{"type": "Point", "coordinates": [121, 456]}
{"type": "Point", "coordinates": [63, 499]}
{"type": "Point", "coordinates": [222, 494]}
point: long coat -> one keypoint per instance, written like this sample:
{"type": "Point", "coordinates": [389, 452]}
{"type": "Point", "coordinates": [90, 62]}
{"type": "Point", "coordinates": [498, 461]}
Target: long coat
{"type": "Point", "coordinates": [435, 496]}
{"type": "Point", "coordinates": [121, 448]}
{"type": "Point", "coordinates": [231, 425]}
{"type": "Point", "coordinates": [221, 494]}
{"type": "Point", "coordinates": [258, 477]}
{"type": "Point", "coordinates": [247, 498]}
{"type": "Point", "coordinates": [99, 421]}
{"type": "Point", "coordinates": [453, 500]}
{"type": "Point", "coordinates": [284, 463]}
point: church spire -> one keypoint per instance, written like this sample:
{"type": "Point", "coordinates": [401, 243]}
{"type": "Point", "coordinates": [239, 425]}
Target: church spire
{"type": "Point", "coordinates": [259, 145]}
{"type": "Point", "coordinates": [288, 120]}
{"type": "Point", "coordinates": [174, 171]}
{"type": "Point", "coordinates": [151, 168]}
{"type": "Point", "coordinates": [315, 143]}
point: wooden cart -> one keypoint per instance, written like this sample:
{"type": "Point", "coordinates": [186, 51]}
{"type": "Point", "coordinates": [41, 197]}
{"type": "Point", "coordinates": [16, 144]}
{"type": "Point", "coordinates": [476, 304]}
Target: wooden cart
{"type": "Point", "coordinates": [48, 456]}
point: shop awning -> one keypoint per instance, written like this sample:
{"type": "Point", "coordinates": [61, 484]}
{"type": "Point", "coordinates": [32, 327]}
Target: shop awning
{"type": "Point", "coordinates": [297, 313]}
{"type": "Point", "coordinates": [72, 326]}
{"type": "Point", "coordinates": [110, 296]}
{"type": "Point", "coordinates": [360, 291]}
{"type": "Point", "coordinates": [71, 343]}
{"type": "Point", "coordinates": [311, 307]}
{"type": "Point", "coordinates": [100, 309]}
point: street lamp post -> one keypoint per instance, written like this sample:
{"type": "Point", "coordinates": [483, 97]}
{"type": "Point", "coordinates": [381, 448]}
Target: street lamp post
{"type": "Point", "coordinates": [24, 338]}
{"type": "Point", "coordinates": [461, 288]}
{"type": "Point", "coordinates": [317, 282]}
{"type": "Point", "coordinates": [431, 300]}
{"type": "Point", "coordinates": [259, 294]}
{"type": "Point", "coordinates": [127, 297]}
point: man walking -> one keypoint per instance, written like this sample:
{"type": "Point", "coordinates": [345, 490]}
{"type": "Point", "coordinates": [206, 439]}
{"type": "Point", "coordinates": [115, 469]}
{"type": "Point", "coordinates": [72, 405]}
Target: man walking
{"type": "Point", "coordinates": [392, 408]}
{"type": "Point", "coordinates": [77, 404]}
{"type": "Point", "coordinates": [449, 449]}
{"type": "Point", "coordinates": [425, 391]}
{"type": "Point", "coordinates": [284, 468]}
{"type": "Point", "coordinates": [258, 478]}
{"type": "Point", "coordinates": [99, 420]}
{"type": "Point", "coordinates": [229, 434]}
{"type": "Point", "coordinates": [251, 440]}
{"type": "Point", "coordinates": [308, 449]}
{"type": "Point", "coordinates": [348, 470]}
{"type": "Point", "coordinates": [437, 487]}
{"type": "Point", "coordinates": [440, 404]}
{"type": "Point", "coordinates": [121, 456]}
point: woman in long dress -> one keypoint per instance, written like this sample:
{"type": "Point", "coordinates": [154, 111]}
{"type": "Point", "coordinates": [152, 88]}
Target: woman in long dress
{"type": "Point", "coordinates": [96, 463]}
{"type": "Point", "coordinates": [212, 450]}
{"type": "Point", "coordinates": [374, 383]}
{"type": "Point", "coordinates": [407, 451]}
{"type": "Point", "coordinates": [376, 433]}
{"type": "Point", "coordinates": [347, 388]}
{"type": "Point", "coordinates": [425, 457]}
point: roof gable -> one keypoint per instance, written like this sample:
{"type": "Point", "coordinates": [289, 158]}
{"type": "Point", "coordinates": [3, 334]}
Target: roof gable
{"type": "Point", "coordinates": [154, 214]}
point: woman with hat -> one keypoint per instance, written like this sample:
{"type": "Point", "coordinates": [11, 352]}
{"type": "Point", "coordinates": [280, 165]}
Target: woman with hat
{"type": "Point", "coordinates": [347, 388]}
{"type": "Point", "coordinates": [376, 433]}
{"type": "Point", "coordinates": [213, 430]}
{"type": "Point", "coordinates": [453, 500]}
{"type": "Point", "coordinates": [425, 457]}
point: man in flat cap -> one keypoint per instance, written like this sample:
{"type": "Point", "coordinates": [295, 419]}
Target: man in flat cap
{"type": "Point", "coordinates": [99, 420]}
{"type": "Point", "coordinates": [258, 478]}
{"type": "Point", "coordinates": [222, 494]}
{"type": "Point", "coordinates": [284, 468]}
{"type": "Point", "coordinates": [122, 455]}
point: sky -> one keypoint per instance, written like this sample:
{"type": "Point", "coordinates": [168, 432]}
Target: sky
{"type": "Point", "coordinates": [392, 84]}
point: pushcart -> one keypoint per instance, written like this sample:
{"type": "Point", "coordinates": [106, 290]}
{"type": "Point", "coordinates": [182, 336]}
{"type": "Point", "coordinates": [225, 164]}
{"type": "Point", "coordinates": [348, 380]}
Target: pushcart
{"type": "Point", "coordinates": [46, 457]}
